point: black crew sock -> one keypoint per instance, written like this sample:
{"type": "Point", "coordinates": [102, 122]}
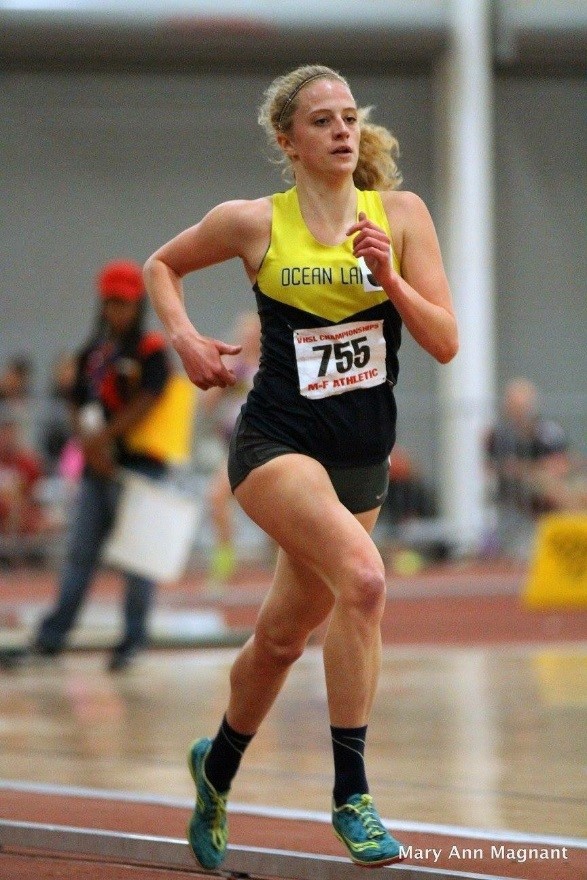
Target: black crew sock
{"type": "Point", "coordinates": [348, 746]}
{"type": "Point", "coordinates": [224, 757]}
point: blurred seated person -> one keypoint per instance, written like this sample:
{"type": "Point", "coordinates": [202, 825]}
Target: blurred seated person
{"type": "Point", "coordinates": [408, 497]}
{"type": "Point", "coordinates": [408, 548]}
{"type": "Point", "coordinates": [524, 453]}
{"type": "Point", "coordinates": [562, 486]}
{"type": "Point", "coordinates": [21, 514]}
{"type": "Point", "coordinates": [57, 424]}
{"type": "Point", "coordinates": [16, 389]}
{"type": "Point", "coordinates": [16, 378]}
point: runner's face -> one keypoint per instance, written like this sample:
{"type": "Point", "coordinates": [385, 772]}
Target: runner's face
{"type": "Point", "coordinates": [325, 132]}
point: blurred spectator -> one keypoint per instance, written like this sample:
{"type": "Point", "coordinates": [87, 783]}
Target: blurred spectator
{"type": "Point", "coordinates": [408, 517]}
{"type": "Point", "coordinates": [57, 424]}
{"type": "Point", "coordinates": [122, 370]}
{"type": "Point", "coordinates": [16, 378]}
{"type": "Point", "coordinates": [528, 460]}
{"type": "Point", "coordinates": [16, 390]}
{"type": "Point", "coordinates": [561, 484]}
{"type": "Point", "coordinates": [408, 497]}
{"type": "Point", "coordinates": [57, 443]}
{"type": "Point", "coordinates": [21, 514]}
{"type": "Point", "coordinates": [223, 406]}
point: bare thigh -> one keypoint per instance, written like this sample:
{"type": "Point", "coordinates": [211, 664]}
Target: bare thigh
{"type": "Point", "coordinates": [292, 499]}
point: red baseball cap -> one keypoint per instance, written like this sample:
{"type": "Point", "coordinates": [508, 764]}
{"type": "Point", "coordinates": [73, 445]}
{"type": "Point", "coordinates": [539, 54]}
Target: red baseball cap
{"type": "Point", "coordinates": [121, 279]}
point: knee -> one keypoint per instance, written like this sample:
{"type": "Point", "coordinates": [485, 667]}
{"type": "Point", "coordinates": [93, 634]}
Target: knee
{"type": "Point", "coordinates": [365, 590]}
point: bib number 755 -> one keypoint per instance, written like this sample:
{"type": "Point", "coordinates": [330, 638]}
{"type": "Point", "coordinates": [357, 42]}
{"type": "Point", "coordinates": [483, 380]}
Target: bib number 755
{"type": "Point", "coordinates": [348, 354]}
{"type": "Point", "coordinates": [339, 358]}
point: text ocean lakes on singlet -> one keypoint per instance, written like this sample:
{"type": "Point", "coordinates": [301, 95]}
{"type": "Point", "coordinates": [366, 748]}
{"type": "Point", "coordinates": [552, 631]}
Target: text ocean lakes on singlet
{"type": "Point", "coordinates": [292, 276]}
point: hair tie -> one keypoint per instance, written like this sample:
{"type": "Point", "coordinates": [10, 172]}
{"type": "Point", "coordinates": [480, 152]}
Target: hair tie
{"type": "Point", "coordinates": [294, 93]}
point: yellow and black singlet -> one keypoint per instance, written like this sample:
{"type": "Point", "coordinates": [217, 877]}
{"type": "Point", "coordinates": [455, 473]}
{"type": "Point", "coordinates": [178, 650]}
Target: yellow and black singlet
{"type": "Point", "coordinates": [330, 338]}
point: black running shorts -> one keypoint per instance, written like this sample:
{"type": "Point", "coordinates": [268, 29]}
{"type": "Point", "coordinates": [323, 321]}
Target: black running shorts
{"type": "Point", "coordinates": [358, 488]}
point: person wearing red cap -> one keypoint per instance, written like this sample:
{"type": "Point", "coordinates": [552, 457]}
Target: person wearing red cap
{"type": "Point", "coordinates": [121, 371]}
{"type": "Point", "coordinates": [122, 280]}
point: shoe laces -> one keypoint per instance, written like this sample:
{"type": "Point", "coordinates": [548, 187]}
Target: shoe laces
{"type": "Point", "coordinates": [368, 816]}
{"type": "Point", "coordinates": [216, 811]}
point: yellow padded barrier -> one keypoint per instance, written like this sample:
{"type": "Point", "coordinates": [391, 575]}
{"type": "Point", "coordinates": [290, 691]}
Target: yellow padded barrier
{"type": "Point", "coordinates": [558, 569]}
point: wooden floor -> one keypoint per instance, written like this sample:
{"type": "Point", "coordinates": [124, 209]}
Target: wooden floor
{"type": "Point", "coordinates": [478, 736]}
{"type": "Point", "coordinates": [487, 738]}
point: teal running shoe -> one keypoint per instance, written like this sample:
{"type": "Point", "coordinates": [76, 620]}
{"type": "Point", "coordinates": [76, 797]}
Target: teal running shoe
{"type": "Point", "coordinates": [208, 828]}
{"type": "Point", "coordinates": [358, 826]}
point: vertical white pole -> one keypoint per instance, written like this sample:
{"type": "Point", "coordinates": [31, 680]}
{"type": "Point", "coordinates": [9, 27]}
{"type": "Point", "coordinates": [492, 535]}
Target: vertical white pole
{"type": "Point", "coordinates": [466, 232]}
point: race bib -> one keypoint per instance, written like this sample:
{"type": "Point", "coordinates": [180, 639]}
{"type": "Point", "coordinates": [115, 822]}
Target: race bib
{"type": "Point", "coordinates": [370, 283]}
{"type": "Point", "coordinates": [345, 357]}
